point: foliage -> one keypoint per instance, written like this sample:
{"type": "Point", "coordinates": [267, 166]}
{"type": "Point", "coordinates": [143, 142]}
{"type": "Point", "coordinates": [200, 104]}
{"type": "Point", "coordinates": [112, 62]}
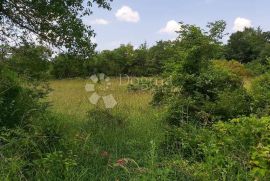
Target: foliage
{"type": "Point", "coordinates": [56, 22]}
{"type": "Point", "coordinates": [257, 68]}
{"type": "Point", "coordinates": [260, 92]}
{"type": "Point", "coordinates": [30, 61]}
{"type": "Point", "coordinates": [206, 91]}
{"type": "Point", "coordinates": [142, 61]}
{"type": "Point", "coordinates": [68, 66]}
{"type": "Point", "coordinates": [18, 100]}
{"type": "Point", "coordinates": [36, 152]}
{"type": "Point", "coordinates": [246, 46]}
{"type": "Point", "coordinates": [234, 150]}
{"type": "Point", "coordinates": [234, 67]}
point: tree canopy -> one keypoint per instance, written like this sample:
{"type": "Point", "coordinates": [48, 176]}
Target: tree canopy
{"type": "Point", "coordinates": [57, 22]}
{"type": "Point", "coordinates": [249, 45]}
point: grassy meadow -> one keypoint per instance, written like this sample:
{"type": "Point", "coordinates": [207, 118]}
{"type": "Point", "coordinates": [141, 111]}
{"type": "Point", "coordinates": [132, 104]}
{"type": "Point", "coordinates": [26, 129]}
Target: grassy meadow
{"type": "Point", "coordinates": [70, 97]}
{"type": "Point", "coordinates": [134, 138]}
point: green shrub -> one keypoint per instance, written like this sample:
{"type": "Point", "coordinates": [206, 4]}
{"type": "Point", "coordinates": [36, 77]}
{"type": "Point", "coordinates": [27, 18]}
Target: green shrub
{"type": "Point", "coordinates": [260, 92]}
{"type": "Point", "coordinates": [230, 104]}
{"type": "Point", "coordinates": [233, 66]}
{"type": "Point", "coordinates": [39, 151]}
{"type": "Point", "coordinates": [216, 93]}
{"type": "Point", "coordinates": [256, 67]}
{"type": "Point", "coordinates": [238, 140]}
{"type": "Point", "coordinates": [30, 61]}
{"type": "Point", "coordinates": [238, 149]}
{"type": "Point", "coordinates": [202, 84]}
{"type": "Point", "coordinates": [56, 165]}
{"type": "Point", "coordinates": [18, 99]}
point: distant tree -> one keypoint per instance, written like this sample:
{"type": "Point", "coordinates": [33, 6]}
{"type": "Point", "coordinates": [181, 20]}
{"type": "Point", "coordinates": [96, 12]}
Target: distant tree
{"type": "Point", "coordinates": [57, 22]}
{"type": "Point", "coordinates": [246, 46]}
{"type": "Point", "coordinates": [159, 54]}
{"type": "Point", "coordinates": [123, 59]}
{"type": "Point", "coordinates": [138, 65]}
{"type": "Point", "coordinates": [265, 54]}
{"type": "Point", "coordinates": [30, 61]}
{"type": "Point", "coordinates": [68, 66]}
{"type": "Point", "coordinates": [216, 30]}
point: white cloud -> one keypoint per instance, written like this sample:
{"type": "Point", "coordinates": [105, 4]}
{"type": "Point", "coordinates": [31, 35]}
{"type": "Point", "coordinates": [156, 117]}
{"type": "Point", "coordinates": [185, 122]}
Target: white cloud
{"type": "Point", "coordinates": [127, 14]}
{"type": "Point", "coordinates": [241, 23]}
{"type": "Point", "coordinates": [100, 22]}
{"type": "Point", "coordinates": [171, 27]}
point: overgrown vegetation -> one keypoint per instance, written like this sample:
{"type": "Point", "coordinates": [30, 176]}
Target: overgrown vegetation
{"type": "Point", "coordinates": [200, 112]}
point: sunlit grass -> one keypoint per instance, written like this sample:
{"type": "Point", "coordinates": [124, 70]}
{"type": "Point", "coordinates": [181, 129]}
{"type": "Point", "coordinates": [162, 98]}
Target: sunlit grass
{"type": "Point", "coordinates": [70, 97]}
{"type": "Point", "coordinates": [143, 121]}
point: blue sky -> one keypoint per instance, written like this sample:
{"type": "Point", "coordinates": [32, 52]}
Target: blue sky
{"type": "Point", "coordinates": [137, 21]}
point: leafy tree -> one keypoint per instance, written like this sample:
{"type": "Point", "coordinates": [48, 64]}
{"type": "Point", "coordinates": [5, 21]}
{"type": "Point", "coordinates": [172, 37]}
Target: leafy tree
{"type": "Point", "coordinates": [247, 45]}
{"type": "Point", "coordinates": [58, 22]}
{"type": "Point", "coordinates": [138, 66]}
{"type": "Point", "coordinates": [68, 66]}
{"type": "Point", "coordinates": [123, 57]}
{"type": "Point", "coordinates": [202, 89]}
{"type": "Point", "coordinates": [30, 61]}
{"type": "Point", "coordinates": [265, 54]}
{"type": "Point", "coordinates": [260, 92]}
{"type": "Point", "coordinates": [159, 54]}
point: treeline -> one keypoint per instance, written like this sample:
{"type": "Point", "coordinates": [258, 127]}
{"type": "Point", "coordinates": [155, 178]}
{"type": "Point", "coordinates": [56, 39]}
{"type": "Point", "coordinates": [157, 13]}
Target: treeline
{"type": "Point", "coordinates": [142, 61]}
{"type": "Point", "coordinates": [250, 47]}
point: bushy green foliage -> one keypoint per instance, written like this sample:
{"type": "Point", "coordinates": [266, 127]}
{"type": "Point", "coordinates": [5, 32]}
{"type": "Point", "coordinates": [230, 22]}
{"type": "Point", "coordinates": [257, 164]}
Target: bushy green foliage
{"type": "Point", "coordinates": [257, 68]}
{"type": "Point", "coordinates": [206, 90]}
{"type": "Point", "coordinates": [234, 67]}
{"type": "Point", "coordinates": [232, 150]}
{"type": "Point", "coordinates": [142, 61]}
{"type": "Point", "coordinates": [260, 92]}
{"type": "Point", "coordinates": [30, 61]}
{"type": "Point", "coordinates": [18, 99]}
{"type": "Point", "coordinates": [68, 66]}
{"type": "Point", "coordinates": [246, 46]}
{"type": "Point", "coordinates": [56, 22]}
{"type": "Point", "coordinates": [40, 151]}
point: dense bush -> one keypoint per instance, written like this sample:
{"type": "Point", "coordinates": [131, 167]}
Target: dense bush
{"type": "Point", "coordinates": [39, 152]}
{"type": "Point", "coordinates": [68, 66]}
{"type": "Point", "coordinates": [30, 61]}
{"type": "Point", "coordinates": [257, 68]}
{"type": "Point", "coordinates": [234, 66]}
{"type": "Point", "coordinates": [18, 99]}
{"type": "Point", "coordinates": [206, 89]}
{"type": "Point", "coordinates": [234, 150]}
{"type": "Point", "coordinates": [248, 45]}
{"type": "Point", "coordinates": [260, 92]}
